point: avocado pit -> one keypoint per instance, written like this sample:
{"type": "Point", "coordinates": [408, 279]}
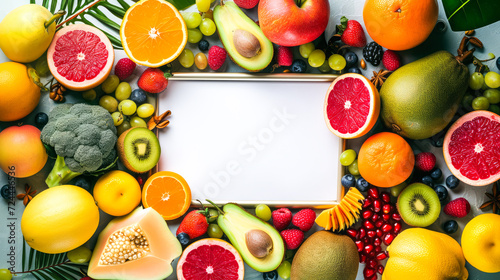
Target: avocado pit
{"type": "Point", "coordinates": [259, 243]}
{"type": "Point", "coordinates": [246, 43]}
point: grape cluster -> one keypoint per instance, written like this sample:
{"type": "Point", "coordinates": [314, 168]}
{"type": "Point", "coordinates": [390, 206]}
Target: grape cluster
{"type": "Point", "coordinates": [337, 62]}
{"type": "Point", "coordinates": [484, 92]}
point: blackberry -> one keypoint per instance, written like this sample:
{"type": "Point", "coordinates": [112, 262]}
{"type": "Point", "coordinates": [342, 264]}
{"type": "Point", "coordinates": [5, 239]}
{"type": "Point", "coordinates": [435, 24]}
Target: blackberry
{"type": "Point", "coordinates": [373, 53]}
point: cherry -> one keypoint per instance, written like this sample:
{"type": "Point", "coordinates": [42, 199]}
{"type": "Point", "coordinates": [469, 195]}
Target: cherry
{"type": "Point", "coordinates": [385, 197]}
{"type": "Point", "coordinates": [367, 214]}
{"type": "Point", "coordinates": [388, 238]}
{"type": "Point", "coordinates": [373, 192]}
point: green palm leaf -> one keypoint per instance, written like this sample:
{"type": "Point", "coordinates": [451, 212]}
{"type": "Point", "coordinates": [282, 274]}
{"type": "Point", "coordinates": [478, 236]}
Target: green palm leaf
{"type": "Point", "coordinates": [471, 14]}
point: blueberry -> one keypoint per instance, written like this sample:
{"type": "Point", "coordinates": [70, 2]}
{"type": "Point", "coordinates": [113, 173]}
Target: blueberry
{"type": "Point", "coordinates": [138, 96]}
{"type": "Point", "coordinates": [436, 174]}
{"type": "Point", "coordinates": [348, 181]}
{"type": "Point", "coordinates": [351, 59]}
{"type": "Point", "coordinates": [6, 192]}
{"type": "Point", "coordinates": [498, 63]}
{"type": "Point", "coordinates": [362, 184]}
{"type": "Point", "coordinates": [271, 275]}
{"type": "Point", "coordinates": [450, 226]}
{"type": "Point", "coordinates": [428, 181]}
{"type": "Point", "coordinates": [451, 182]}
{"type": "Point", "coordinates": [203, 45]}
{"type": "Point", "coordinates": [354, 70]}
{"type": "Point", "coordinates": [183, 238]}
{"type": "Point", "coordinates": [298, 66]}
{"type": "Point", "coordinates": [82, 182]}
{"type": "Point", "coordinates": [41, 119]}
{"type": "Point", "coordinates": [442, 192]}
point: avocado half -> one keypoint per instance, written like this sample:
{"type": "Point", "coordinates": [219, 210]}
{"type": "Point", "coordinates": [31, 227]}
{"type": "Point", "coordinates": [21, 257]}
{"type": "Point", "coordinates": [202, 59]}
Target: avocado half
{"type": "Point", "coordinates": [235, 222]}
{"type": "Point", "coordinates": [242, 38]}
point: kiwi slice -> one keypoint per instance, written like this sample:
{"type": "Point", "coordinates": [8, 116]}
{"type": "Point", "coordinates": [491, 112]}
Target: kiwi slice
{"type": "Point", "coordinates": [138, 149]}
{"type": "Point", "coordinates": [419, 205]}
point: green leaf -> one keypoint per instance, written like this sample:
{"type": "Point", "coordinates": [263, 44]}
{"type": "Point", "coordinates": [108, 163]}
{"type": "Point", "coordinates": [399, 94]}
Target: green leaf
{"type": "Point", "coordinates": [471, 14]}
{"type": "Point", "coordinates": [182, 4]}
{"type": "Point", "coordinates": [31, 256]}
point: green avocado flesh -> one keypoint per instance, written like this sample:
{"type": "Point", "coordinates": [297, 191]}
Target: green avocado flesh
{"type": "Point", "coordinates": [229, 18]}
{"type": "Point", "coordinates": [236, 222]}
{"type": "Point", "coordinates": [419, 99]}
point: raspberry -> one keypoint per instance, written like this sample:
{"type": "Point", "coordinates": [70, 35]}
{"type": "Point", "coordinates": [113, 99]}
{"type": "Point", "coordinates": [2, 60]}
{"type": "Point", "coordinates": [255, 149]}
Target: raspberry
{"type": "Point", "coordinates": [281, 218]}
{"type": "Point", "coordinates": [425, 161]}
{"type": "Point", "coordinates": [304, 219]}
{"type": "Point", "coordinates": [293, 238]}
{"type": "Point", "coordinates": [459, 208]}
{"type": "Point", "coordinates": [391, 60]}
{"type": "Point", "coordinates": [285, 56]}
{"type": "Point", "coordinates": [216, 57]}
{"type": "Point", "coordinates": [124, 68]}
{"type": "Point", "coordinates": [246, 4]}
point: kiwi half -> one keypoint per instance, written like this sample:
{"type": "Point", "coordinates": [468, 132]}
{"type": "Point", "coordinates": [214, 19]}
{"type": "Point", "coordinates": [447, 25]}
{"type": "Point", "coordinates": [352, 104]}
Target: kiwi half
{"type": "Point", "coordinates": [138, 149]}
{"type": "Point", "coordinates": [419, 205]}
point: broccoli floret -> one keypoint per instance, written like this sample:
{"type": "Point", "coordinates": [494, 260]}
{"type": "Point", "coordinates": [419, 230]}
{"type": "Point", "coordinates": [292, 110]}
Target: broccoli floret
{"type": "Point", "coordinates": [83, 137]}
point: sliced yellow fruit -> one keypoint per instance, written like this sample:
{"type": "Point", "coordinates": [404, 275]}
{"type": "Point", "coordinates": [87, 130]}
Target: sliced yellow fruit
{"type": "Point", "coordinates": [347, 214]}
{"type": "Point", "coordinates": [324, 218]}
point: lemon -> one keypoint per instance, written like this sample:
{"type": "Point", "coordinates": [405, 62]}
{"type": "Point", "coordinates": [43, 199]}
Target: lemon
{"type": "Point", "coordinates": [117, 193]}
{"type": "Point", "coordinates": [418, 253]}
{"type": "Point", "coordinates": [27, 31]}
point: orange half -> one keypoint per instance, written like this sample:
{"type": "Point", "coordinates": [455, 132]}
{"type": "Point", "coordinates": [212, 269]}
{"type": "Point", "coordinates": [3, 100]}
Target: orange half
{"type": "Point", "coordinates": [168, 193]}
{"type": "Point", "coordinates": [153, 33]}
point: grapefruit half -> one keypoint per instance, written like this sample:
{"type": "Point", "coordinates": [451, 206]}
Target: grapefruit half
{"type": "Point", "coordinates": [471, 148]}
{"type": "Point", "coordinates": [210, 258]}
{"type": "Point", "coordinates": [352, 106]}
{"type": "Point", "coordinates": [80, 57]}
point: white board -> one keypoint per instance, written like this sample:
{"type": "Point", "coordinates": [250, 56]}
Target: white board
{"type": "Point", "coordinates": [250, 141]}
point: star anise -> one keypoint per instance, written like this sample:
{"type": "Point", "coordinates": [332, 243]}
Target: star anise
{"type": "Point", "coordinates": [379, 77]}
{"type": "Point", "coordinates": [27, 196]}
{"type": "Point", "coordinates": [494, 199]}
{"type": "Point", "coordinates": [159, 121]}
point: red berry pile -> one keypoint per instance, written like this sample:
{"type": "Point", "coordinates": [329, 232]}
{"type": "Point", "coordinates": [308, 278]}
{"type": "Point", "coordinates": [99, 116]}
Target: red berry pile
{"type": "Point", "coordinates": [380, 224]}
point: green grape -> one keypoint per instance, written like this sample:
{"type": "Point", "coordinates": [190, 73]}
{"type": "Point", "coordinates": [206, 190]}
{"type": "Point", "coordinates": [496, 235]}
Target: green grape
{"type": "Point", "coordinates": [127, 107]}
{"type": "Point", "coordinates": [212, 215]}
{"type": "Point", "coordinates": [316, 58]}
{"type": "Point", "coordinates": [123, 91]}
{"type": "Point", "coordinates": [109, 85]}
{"type": "Point", "coordinates": [5, 274]}
{"type": "Point", "coordinates": [207, 27]}
{"type": "Point", "coordinates": [263, 212]}
{"type": "Point", "coordinates": [476, 81]}
{"type": "Point", "coordinates": [396, 190]}
{"type": "Point", "coordinates": [467, 101]}
{"type": "Point", "coordinates": [353, 168]}
{"type": "Point", "coordinates": [89, 95]}
{"type": "Point", "coordinates": [492, 79]}
{"type": "Point", "coordinates": [347, 157]}
{"type": "Point", "coordinates": [123, 127]}
{"type": "Point", "coordinates": [494, 108]}
{"type": "Point", "coordinates": [337, 62]}
{"type": "Point", "coordinates": [480, 103]}
{"type": "Point", "coordinates": [146, 110]}
{"type": "Point", "coordinates": [325, 67]}
{"type": "Point", "coordinates": [79, 255]}
{"type": "Point", "coordinates": [135, 121]}
{"type": "Point", "coordinates": [214, 231]}
{"type": "Point", "coordinates": [109, 103]}
{"type": "Point", "coordinates": [192, 19]}
{"type": "Point", "coordinates": [200, 60]}
{"type": "Point", "coordinates": [186, 58]}
{"type": "Point", "coordinates": [203, 5]}
{"type": "Point", "coordinates": [284, 269]}
{"type": "Point", "coordinates": [306, 49]}
{"type": "Point", "coordinates": [194, 35]}
{"type": "Point", "coordinates": [117, 118]}
{"type": "Point", "coordinates": [493, 95]}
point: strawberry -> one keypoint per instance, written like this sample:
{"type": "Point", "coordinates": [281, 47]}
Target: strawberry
{"type": "Point", "coordinates": [425, 161]}
{"type": "Point", "coordinates": [216, 57]}
{"type": "Point", "coordinates": [391, 60]}
{"type": "Point", "coordinates": [304, 219]}
{"type": "Point", "coordinates": [293, 238]}
{"type": "Point", "coordinates": [352, 33]}
{"type": "Point", "coordinates": [459, 208]}
{"type": "Point", "coordinates": [246, 4]}
{"type": "Point", "coordinates": [285, 56]}
{"type": "Point", "coordinates": [281, 218]}
{"type": "Point", "coordinates": [124, 68]}
{"type": "Point", "coordinates": [153, 80]}
{"type": "Point", "coordinates": [194, 224]}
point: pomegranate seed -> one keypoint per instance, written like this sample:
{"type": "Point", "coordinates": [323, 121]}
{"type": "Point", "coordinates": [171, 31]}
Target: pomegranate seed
{"type": "Point", "coordinates": [378, 249]}
{"type": "Point", "coordinates": [362, 233]}
{"type": "Point", "coordinates": [368, 272]}
{"type": "Point", "coordinates": [374, 277]}
{"type": "Point", "coordinates": [388, 238]}
{"type": "Point", "coordinates": [368, 248]}
{"type": "Point", "coordinates": [370, 233]}
{"type": "Point", "coordinates": [396, 217]}
{"type": "Point", "coordinates": [377, 205]}
{"type": "Point", "coordinates": [382, 256]}
{"type": "Point", "coordinates": [368, 225]}
{"type": "Point", "coordinates": [375, 217]}
{"type": "Point", "coordinates": [373, 192]}
{"type": "Point", "coordinates": [380, 269]}
{"type": "Point", "coordinates": [379, 233]}
{"type": "Point", "coordinates": [387, 208]}
{"type": "Point", "coordinates": [379, 223]}
{"type": "Point", "coordinates": [367, 214]}
{"type": "Point", "coordinates": [367, 202]}
{"type": "Point", "coordinates": [385, 197]}
{"type": "Point", "coordinates": [140, 180]}
{"type": "Point", "coordinates": [397, 227]}
{"type": "Point", "coordinates": [352, 233]}
{"type": "Point", "coordinates": [386, 217]}
{"type": "Point", "coordinates": [377, 241]}
{"type": "Point", "coordinates": [366, 240]}
{"type": "Point", "coordinates": [362, 258]}
{"type": "Point", "coordinates": [372, 263]}
{"type": "Point", "coordinates": [371, 255]}
{"type": "Point", "coordinates": [386, 227]}
{"type": "Point", "coordinates": [360, 245]}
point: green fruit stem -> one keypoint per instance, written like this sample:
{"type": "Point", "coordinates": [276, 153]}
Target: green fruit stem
{"type": "Point", "coordinates": [216, 207]}
{"type": "Point", "coordinates": [60, 174]}
{"type": "Point", "coordinates": [54, 17]}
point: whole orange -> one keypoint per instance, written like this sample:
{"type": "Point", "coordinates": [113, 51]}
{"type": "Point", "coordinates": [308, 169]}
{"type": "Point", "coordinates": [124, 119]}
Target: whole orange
{"type": "Point", "coordinates": [117, 193]}
{"type": "Point", "coordinates": [385, 160]}
{"type": "Point", "coordinates": [400, 24]}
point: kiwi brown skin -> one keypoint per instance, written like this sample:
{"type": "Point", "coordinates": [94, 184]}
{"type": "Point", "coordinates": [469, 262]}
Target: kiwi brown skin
{"type": "Point", "coordinates": [120, 145]}
{"type": "Point", "coordinates": [419, 191]}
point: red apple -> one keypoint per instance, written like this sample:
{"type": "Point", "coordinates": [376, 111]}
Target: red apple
{"type": "Point", "coordinates": [22, 153]}
{"type": "Point", "coordinates": [286, 24]}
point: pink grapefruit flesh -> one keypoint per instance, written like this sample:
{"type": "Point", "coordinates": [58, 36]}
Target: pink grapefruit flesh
{"type": "Point", "coordinates": [471, 148]}
{"type": "Point", "coordinates": [80, 57]}
{"type": "Point", "coordinates": [352, 106]}
{"type": "Point", "coordinates": [210, 259]}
